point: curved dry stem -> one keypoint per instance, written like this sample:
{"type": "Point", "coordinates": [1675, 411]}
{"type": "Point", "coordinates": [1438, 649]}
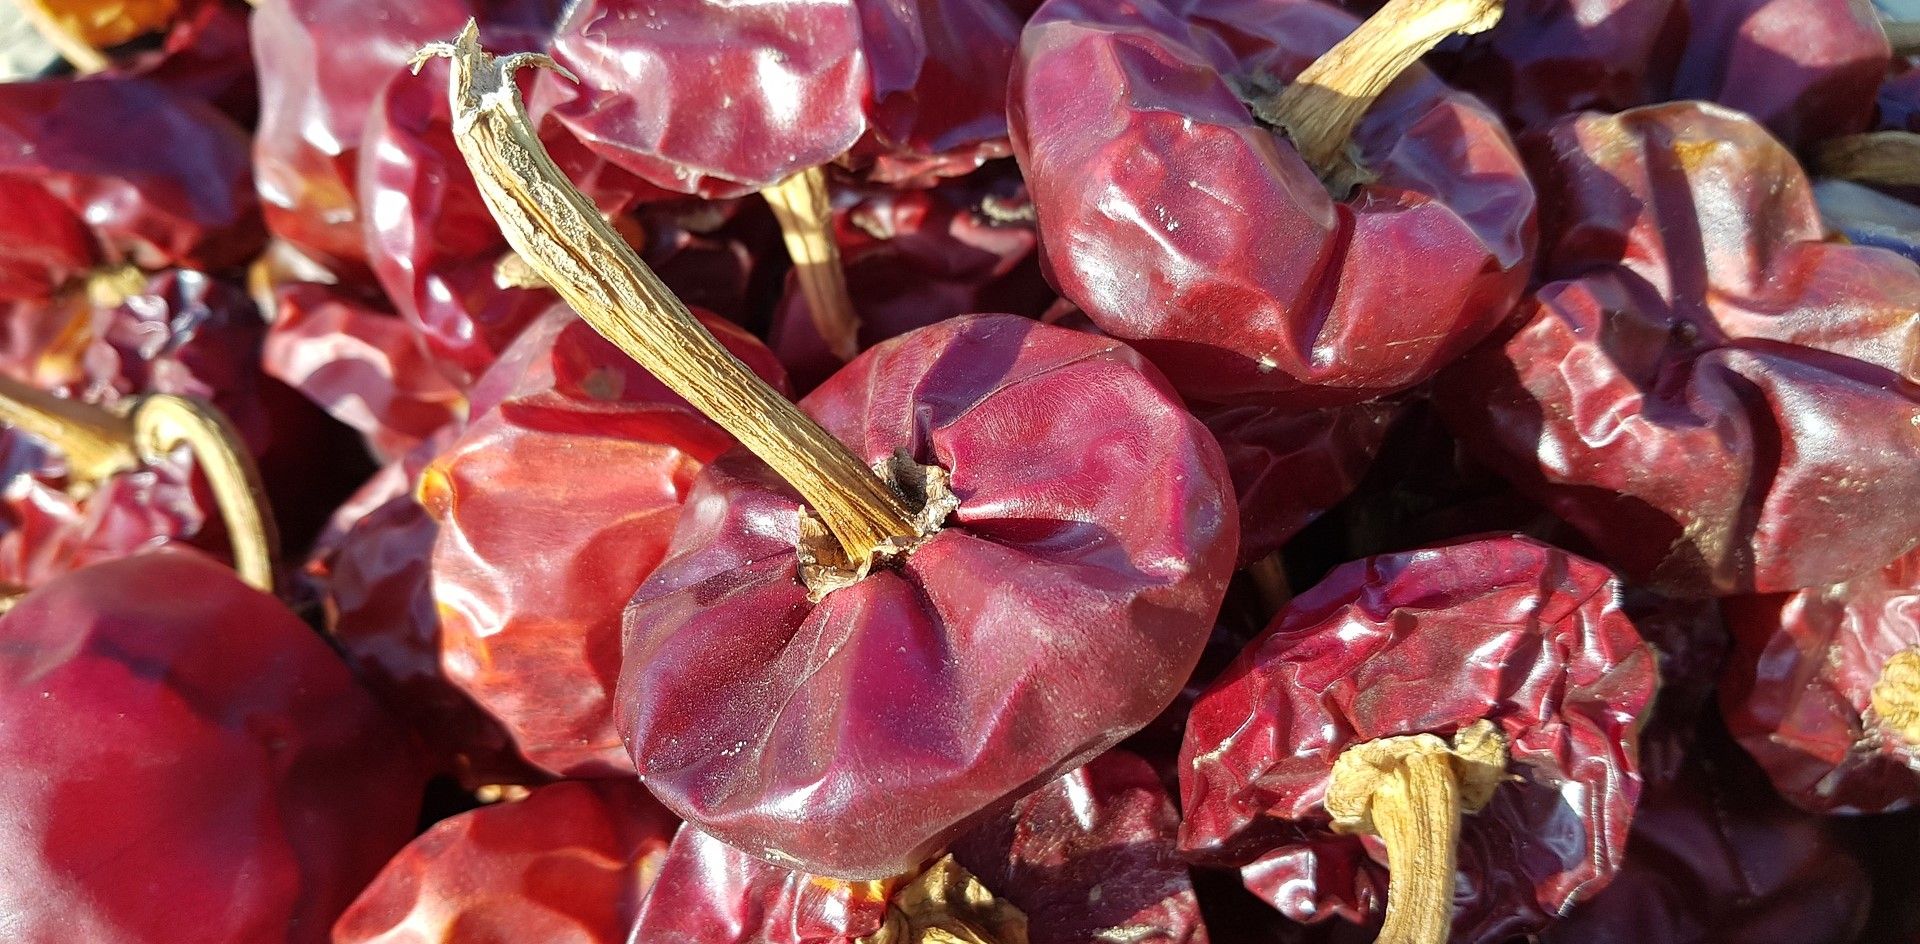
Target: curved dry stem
{"type": "Point", "coordinates": [563, 237]}
{"type": "Point", "coordinates": [1902, 36]}
{"type": "Point", "coordinates": [1325, 103]}
{"type": "Point", "coordinates": [1886, 158]}
{"type": "Point", "coordinates": [96, 443]}
{"type": "Point", "coordinates": [164, 422]}
{"type": "Point", "coordinates": [1411, 792]}
{"type": "Point", "coordinates": [946, 904]}
{"type": "Point", "coordinates": [804, 208]}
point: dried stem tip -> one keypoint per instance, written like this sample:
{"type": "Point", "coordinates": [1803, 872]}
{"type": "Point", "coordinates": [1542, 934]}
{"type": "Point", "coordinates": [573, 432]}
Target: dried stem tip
{"type": "Point", "coordinates": [1319, 111]}
{"type": "Point", "coordinates": [1903, 36]}
{"type": "Point", "coordinates": [805, 210]}
{"type": "Point", "coordinates": [1411, 791]}
{"type": "Point", "coordinates": [1887, 158]}
{"type": "Point", "coordinates": [1896, 696]}
{"type": "Point", "coordinates": [946, 904]}
{"type": "Point", "coordinates": [563, 237]}
{"type": "Point", "coordinates": [98, 443]}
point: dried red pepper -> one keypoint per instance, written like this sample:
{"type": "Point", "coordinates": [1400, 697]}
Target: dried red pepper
{"type": "Point", "coordinates": [179, 760]}
{"type": "Point", "coordinates": [1181, 221]}
{"type": "Point", "coordinates": [949, 573]}
{"type": "Point", "coordinates": [1824, 689]}
{"type": "Point", "coordinates": [529, 617]}
{"type": "Point", "coordinates": [1516, 652]}
{"type": "Point", "coordinates": [1679, 393]}
{"type": "Point", "coordinates": [569, 862]}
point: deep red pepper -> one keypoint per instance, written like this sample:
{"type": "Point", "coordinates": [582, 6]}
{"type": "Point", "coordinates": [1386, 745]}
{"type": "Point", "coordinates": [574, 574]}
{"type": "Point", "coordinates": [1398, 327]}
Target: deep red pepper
{"type": "Point", "coordinates": [570, 862]}
{"type": "Point", "coordinates": [1820, 686]}
{"type": "Point", "coordinates": [1677, 394]}
{"type": "Point", "coordinates": [722, 101]}
{"type": "Point", "coordinates": [1059, 609]}
{"type": "Point", "coordinates": [532, 567]}
{"type": "Point", "coordinates": [1431, 640]}
{"type": "Point", "coordinates": [186, 763]}
{"type": "Point", "coordinates": [1183, 225]}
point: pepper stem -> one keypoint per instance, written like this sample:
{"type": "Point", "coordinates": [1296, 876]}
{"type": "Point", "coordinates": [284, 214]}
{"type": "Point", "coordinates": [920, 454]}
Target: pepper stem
{"type": "Point", "coordinates": [1325, 103]}
{"type": "Point", "coordinates": [946, 904]}
{"type": "Point", "coordinates": [805, 210]}
{"type": "Point", "coordinates": [1886, 158]}
{"type": "Point", "coordinates": [563, 237]}
{"type": "Point", "coordinates": [99, 443]}
{"type": "Point", "coordinates": [1903, 36]}
{"type": "Point", "coordinates": [79, 54]}
{"type": "Point", "coordinates": [1411, 791]}
{"type": "Point", "coordinates": [1896, 695]}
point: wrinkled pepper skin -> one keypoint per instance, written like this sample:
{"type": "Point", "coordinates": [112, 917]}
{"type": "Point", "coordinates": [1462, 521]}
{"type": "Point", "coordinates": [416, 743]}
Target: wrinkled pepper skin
{"type": "Point", "coordinates": [321, 65]}
{"type": "Point", "coordinates": [1091, 857]}
{"type": "Point", "coordinates": [1716, 858]}
{"type": "Point", "coordinates": [186, 762]}
{"type": "Point", "coordinates": [721, 100]}
{"type": "Point", "coordinates": [708, 892]}
{"type": "Point", "coordinates": [1432, 640]}
{"type": "Point", "coordinates": [118, 171]}
{"type": "Point", "coordinates": [532, 566]}
{"type": "Point", "coordinates": [568, 864]}
{"type": "Point", "coordinates": [1059, 609]}
{"type": "Point", "coordinates": [1799, 691]}
{"type": "Point", "coordinates": [1185, 227]}
{"type": "Point", "coordinates": [1806, 69]}
{"type": "Point", "coordinates": [1718, 398]}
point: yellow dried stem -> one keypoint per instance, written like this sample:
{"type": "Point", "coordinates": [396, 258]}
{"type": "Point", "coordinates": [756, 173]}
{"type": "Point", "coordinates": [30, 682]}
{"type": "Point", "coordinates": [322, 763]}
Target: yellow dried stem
{"type": "Point", "coordinates": [563, 237]}
{"type": "Point", "coordinates": [1903, 36]}
{"type": "Point", "coordinates": [1896, 696]}
{"type": "Point", "coordinates": [1411, 791]}
{"type": "Point", "coordinates": [81, 55]}
{"type": "Point", "coordinates": [99, 443]}
{"type": "Point", "coordinates": [163, 422]}
{"type": "Point", "coordinates": [1887, 158]}
{"type": "Point", "coordinates": [95, 442]}
{"type": "Point", "coordinates": [1324, 105]}
{"type": "Point", "coordinates": [946, 904]}
{"type": "Point", "coordinates": [804, 208]}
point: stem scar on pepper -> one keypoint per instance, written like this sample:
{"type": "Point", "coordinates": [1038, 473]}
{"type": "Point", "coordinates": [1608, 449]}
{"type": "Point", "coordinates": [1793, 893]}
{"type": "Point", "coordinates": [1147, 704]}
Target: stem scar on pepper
{"type": "Point", "coordinates": [946, 904]}
{"type": "Point", "coordinates": [99, 443]}
{"type": "Point", "coordinates": [560, 234]}
{"type": "Point", "coordinates": [1321, 108]}
{"type": "Point", "coordinates": [1896, 695]}
{"type": "Point", "coordinates": [1411, 791]}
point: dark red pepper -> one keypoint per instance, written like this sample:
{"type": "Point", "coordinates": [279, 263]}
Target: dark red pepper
{"type": "Point", "coordinates": [1183, 224]}
{"type": "Point", "coordinates": [1679, 393]}
{"type": "Point", "coordinates": [570, 862]}
{"type": "Point", "coordinates": [1824, 689]}
{"type": "Point", "coordinates": [186, 763]}
{"type": "Point", "coordinates": [1059, 609]}
{"type": "Point", "coordinates": [1436, 641]}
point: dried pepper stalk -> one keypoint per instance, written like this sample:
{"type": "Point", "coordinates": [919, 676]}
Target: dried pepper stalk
{"type": "Point", "coordinates": [1044, 566]}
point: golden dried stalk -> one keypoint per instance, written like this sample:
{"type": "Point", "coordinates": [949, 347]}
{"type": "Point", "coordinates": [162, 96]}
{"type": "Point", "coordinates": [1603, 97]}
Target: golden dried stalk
{"type": "Point", "coordinates": [1325, 103]}
{"type": "Point", "coordinates": [1886, 158]}
{"type": "Point", "coordinates": [1410, 791]}
{"type": "Point", "coordinates": [563, 237]}
{"type": "Point", "coordinates": [804, 208]}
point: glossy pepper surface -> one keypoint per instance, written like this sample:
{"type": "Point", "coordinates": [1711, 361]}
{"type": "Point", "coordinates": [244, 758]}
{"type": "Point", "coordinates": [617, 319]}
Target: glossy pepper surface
{"type": "Point", "coordinates": [721, 100]}
{"type": "Point", "coordinates": [1432, 640]}
{"type": "Point", "coordinates": [263, 787]}
{"type": "Point", "coordinates": [530, 614]}
{"type": "Point", "coordinates": [569, 863]}
{"type": "Point", "coordinates": [1059, 608]}
{"type": "Point", "coordinates": [1186, 227]}
{"type": "Point", "coordinates": [1822, 689]}
{"type": "Point", "coordinates": [1721, 400]}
